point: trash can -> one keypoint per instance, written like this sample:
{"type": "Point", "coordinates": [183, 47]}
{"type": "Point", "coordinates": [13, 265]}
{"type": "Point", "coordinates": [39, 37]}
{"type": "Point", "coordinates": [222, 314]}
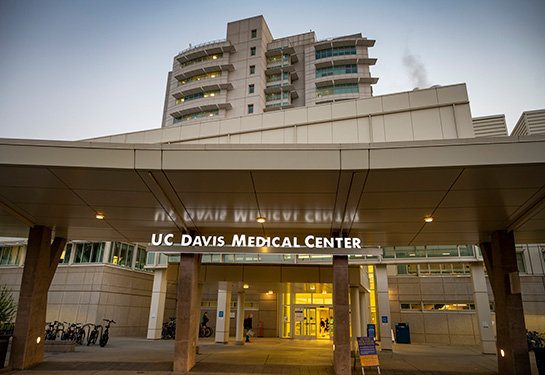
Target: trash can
{"type": "Point", "coordinates": [403, 335]}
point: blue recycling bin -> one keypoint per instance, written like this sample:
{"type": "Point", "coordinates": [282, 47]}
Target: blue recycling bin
{"type": "Point", "coordinates": [403, 334]}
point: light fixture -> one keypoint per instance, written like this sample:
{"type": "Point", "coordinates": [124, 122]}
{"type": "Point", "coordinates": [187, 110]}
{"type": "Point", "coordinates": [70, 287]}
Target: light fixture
{"type": "Point", "coordinates": [214, 57]}
{"type": "Point", "coordinates": [38, 340]}
{"type": "Point", "coordinates": [270, 292]}
{"type": "Point", "coordinates": [245, 286]}
{"type": "Point", "coordinates": [502, 353]}
{"type": "Point", "coordinates": [428, 219]}
{"type": "Point", "coordinates": [324, 292]}
{"type": "Point", "coordinates": [261, 220]}
{"type": "Point", "coordinates": [312, 287]}
{"type": "Point", "coordinates": [99, 216]}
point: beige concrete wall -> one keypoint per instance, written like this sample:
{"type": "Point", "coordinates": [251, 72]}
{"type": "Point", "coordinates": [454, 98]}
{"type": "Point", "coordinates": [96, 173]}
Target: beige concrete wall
{"type": "Point", "coordinates": [90, 293]}
{"type": "Point", "coordinates": [444, 327]}
{"type": "Point", "coordinates": [436, 113]}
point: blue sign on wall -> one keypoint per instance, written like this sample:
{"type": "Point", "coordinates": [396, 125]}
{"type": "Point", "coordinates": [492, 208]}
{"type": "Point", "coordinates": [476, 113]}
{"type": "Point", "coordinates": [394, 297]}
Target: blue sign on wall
{"type": "Point", "coordinates": [371, 332]}
{"type": "Point", "coordinates": [220, 314]}
{"type": "Point", "coordinates": [384, 320]}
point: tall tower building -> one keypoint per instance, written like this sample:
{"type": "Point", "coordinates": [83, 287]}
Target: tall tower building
{"type": "Point", "coordinates": [250, 72]}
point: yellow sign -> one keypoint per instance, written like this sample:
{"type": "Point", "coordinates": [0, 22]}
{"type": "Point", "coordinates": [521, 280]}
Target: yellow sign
{"type": "Point", "coordinates": [367, 352]}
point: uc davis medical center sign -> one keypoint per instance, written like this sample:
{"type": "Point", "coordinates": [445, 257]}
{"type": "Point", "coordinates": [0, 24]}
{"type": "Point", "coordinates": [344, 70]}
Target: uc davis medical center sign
{"type": "Point", "coordinates": [242, 243]}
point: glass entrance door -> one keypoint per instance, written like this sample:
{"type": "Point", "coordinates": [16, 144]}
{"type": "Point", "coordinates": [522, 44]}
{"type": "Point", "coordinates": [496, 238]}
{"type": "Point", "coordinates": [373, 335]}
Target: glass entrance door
{"type": "Point", "coordinates": [305, 323]}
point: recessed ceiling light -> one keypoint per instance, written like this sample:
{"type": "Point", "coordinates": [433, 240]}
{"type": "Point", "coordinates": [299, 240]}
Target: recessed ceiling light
{"type": "Point", "coordinates": [261, 220]}
{"type": "Point", "coordinates": [99, 216]}
{"type": "Point", "coordinates": [245, 286]}
{"type": "Point", "coordinates": [270, 292]}
{"type": "Point", "coordinates": [428, 219]}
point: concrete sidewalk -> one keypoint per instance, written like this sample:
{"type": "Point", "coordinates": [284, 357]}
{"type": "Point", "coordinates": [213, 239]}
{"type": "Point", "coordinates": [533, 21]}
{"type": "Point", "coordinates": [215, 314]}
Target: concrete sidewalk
{"type": "Point", "coordinates": [124, 356]}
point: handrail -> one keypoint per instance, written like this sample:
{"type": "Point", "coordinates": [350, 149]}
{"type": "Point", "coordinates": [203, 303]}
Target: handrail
{"type": "Point", "coordinates": [202, 45]}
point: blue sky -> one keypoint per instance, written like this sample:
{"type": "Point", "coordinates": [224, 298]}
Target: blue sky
{"type": "Point", "coordinates": [74, 69]}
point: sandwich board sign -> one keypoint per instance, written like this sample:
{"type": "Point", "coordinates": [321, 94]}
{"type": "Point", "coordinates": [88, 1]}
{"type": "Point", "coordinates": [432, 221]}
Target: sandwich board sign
{"type": "Point", "coordinates": [368, 353]}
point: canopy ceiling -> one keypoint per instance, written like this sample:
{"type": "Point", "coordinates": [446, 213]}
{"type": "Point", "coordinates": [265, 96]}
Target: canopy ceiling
{"type": "Point", "coordinates": [380, 192]}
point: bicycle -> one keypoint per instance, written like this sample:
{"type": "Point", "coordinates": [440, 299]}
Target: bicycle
{"type": "Point", "coordinates": [169, 329]}
{"type": "Point", "coordinates": [80, 333]}
{"type": "Point", "coordinates": [205, 331]}
{"type": "Point", "coordinates": [94, 334]}
{"type": "Point", "coordinates": [54, 330]}
{"type": "Point", "coordinates": [105, 335]}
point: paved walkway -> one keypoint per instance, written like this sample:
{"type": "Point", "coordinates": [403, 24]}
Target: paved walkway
{"type": "Point", "coordinates": [128, 356]}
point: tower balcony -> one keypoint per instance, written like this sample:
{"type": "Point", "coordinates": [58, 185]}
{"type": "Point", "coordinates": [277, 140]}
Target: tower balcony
{"type": "Point", "coordinates": [205, 49]}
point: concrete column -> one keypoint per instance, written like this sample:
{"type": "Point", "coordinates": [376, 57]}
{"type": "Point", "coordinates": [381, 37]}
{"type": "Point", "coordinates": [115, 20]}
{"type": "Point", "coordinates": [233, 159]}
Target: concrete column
{"type": "Point", "coordinates": [365, 311]}
{"type": "Point", "coordinates": [187, 310]}
{"type": "Point", "coordinates": [241, 300]}
{"type": "Point", "coordinates": [199, 310]}
{"type": "Point", "coordinates": [157, 307]}
{"type": "Point", "coordinates": [501, 265]}
{"type": "Point", "coordinates": [42, 258]}
{"type": "Point", "coordinates": [482, 307]}
{"type": "Point", "coordinates": [383, 307]}
{"type": "Point", "coordinates": [355, 315]}
{"type": "Point", "coordinates": [341, 316]}
{"type": "Point", "coordinates": [222, 315]}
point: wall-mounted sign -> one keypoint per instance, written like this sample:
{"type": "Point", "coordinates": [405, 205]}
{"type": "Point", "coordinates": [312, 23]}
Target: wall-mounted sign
{"type": "Point", "coordinates": [242, 240]}
{"type": "Point", "coordinates": [298, 315]}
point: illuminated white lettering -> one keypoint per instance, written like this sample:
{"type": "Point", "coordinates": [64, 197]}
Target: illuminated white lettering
{"type": "Point", "coordinates": [356, 243]}
{"type": "Point", "coordinates": [339, 241]}
{"type": "Point", "coordinates": [239, 241]}
{"type": "Point", "coordinates": [262, 242]}
{"type": "Point", "coordinates": [221, 241]}
{"type": "Point", "coordinates": [168, 239]}
{"type": "Point", "coordinates": [276, 241]}
{"type": "Point", "coordinates": [186, 240]}
{"type": "Point", "coordinates": [308, 241]}
{"type": "Point", "coordinates": [319, 242]}
{"type": "Point", "coordinates": [329, 243]}
{"type": "Point", "coordinates": [251, 241]}
{"type": "Point", "coordinates": [155, 241]}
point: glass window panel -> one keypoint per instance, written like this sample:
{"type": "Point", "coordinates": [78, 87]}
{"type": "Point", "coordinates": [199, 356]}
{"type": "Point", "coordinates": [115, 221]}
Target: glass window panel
{"type": "Point", "coordinates": [424, 269]}
{"type": "Point", "coordinates": [520, 263]}
{"type": "Point", "coordinates": [130, 253]}
{"type": "Point", "coordinates": [151, 258]}
{"type": "Point", "coordinates": [442, 251]}
{"type": "Point", "coordinates": [270, 257]}
{"type": "Point", "coordinates": [303, 298]}
{"type": "Point", "coordinates": [446, 268]}
{"type": "Point", "coordinates": [122, 254]}
{"type": "Point", "coordinates": [435, 268]}
{"type": "Point", "coordinates": [402, 269]}
{"type": "Point", "coordinates": [318, 298]}
{"type": "Point", "coordinates": [458, 268]}
{"type": "Point", "coordinates": [412, 269]}
{"type": "Point", "coordinates": [466, 251]}
{"type": "Point", "coordinates": [174, 258]}
{"type": "Point", "coordinates": [79, 253]}
{"type": "Point", "coordinates": [163, 259]}
{"type": "Point", "coordinates": [114, 252]}
{"type": "Point", "coordinates": [388, 252]}
{"type": "Point", "coordinates": [65, 257]}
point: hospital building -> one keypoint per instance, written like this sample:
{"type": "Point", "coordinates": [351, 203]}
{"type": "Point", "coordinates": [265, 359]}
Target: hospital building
{"type": "Point", "coordinates": [279, 185]}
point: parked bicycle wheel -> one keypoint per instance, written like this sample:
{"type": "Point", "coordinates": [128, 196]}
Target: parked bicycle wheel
{"type": "Point", "coordinates": [104, 339]}
{"type": "Point", "coordinates": [208, 332]}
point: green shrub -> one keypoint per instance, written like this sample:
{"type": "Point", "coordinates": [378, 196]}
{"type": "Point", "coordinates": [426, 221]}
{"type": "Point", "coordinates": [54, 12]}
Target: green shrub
{"type": "Point", "coordinates": [8, 307]}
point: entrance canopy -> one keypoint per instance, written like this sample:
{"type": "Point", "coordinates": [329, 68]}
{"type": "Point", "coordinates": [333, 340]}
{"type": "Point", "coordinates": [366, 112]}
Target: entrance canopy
{"type": "Point", "coordinates": [379, 192]}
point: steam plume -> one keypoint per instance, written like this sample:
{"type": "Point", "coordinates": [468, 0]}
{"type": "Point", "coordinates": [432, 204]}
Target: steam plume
{"type": "Point", "coordinates": [416, 70]}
